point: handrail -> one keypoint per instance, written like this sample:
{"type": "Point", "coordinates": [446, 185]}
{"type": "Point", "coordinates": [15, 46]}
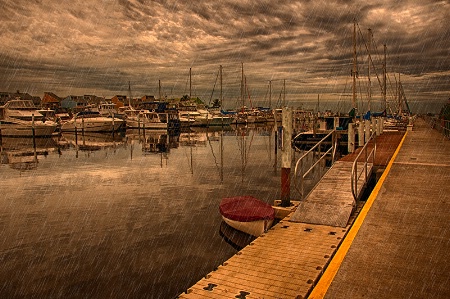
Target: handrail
{"type": "Point", "coordinates": [355, 176]}
{"type": "Point", "coordinates": [441, 125]}
{"type": "Point", "coordinates": [332, 150]}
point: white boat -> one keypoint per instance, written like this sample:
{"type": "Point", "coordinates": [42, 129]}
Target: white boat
{"type": "Point", "coordinates": [247, 214]}
{"type": "Point", "coordinates": [187, 118]}
{"type": "Point", "coordinates": [92, 121]}
{"type": "Point", "coordinates": [107, 109]}
{"type": "Point", "coordinates": [145, 119]}
{"type": "Point", "coordinates": [22, 118]}
{"type": "Point", "coordinates": [203, 118]}
{"type": "Point", "coordinates": [206, 118]}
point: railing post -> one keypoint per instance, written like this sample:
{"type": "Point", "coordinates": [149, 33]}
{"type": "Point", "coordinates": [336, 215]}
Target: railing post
{"type": "Point", "coordinates": [367, 129]}
{"type": "Point", "coordinates": [333, 145]}
{"type": "Point", "coordinates": [379, 125]}
{"type": "Point", "coordinates": [336, 122]}
{"type": "Point", "coordinates": [361, 133]}
{"type": "Point", "coordinates": [351, 137]}
{"type": "Point", "coordinates": [374, 124]}
{"type": "Point", "coordinates": [365, 166]}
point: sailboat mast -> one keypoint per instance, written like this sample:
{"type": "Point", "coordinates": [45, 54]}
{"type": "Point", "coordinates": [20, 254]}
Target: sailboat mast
{"type": "Point", "coordinates": [221, 95]}
{"type": "Point", "coordinates": [284, 93]}
{"type": "Point", "coordinates": [384, 79]}
{"type": "Point", "coordinates": [369, 60]}
{"type": "Point", "coordinates": [159, 89]}
{"type": "Point", "coordinates": [399, 95]}
{"type": "Point", "coordinates": [129, 93]}
{"type": "Point", "coordinates": [270, 93]}
{"type": "Point", "coordinates": [242, 84]}
{"type": "Point", "coordinates": [190, 83]}
{"type": "Point", "coordinates": [354, 72]}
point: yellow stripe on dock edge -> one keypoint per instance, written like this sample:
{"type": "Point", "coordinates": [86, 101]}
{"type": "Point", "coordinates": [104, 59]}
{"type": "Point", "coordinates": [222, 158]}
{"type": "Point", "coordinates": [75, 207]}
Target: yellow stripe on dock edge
{"type": "Point", "coordinates": [324, 283]}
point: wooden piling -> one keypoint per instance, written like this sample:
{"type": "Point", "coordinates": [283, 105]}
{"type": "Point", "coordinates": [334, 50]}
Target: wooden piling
{"type": "Point", "coordinates": [351, 138]}
{"type": "Point", "coordinates": [286, 156]}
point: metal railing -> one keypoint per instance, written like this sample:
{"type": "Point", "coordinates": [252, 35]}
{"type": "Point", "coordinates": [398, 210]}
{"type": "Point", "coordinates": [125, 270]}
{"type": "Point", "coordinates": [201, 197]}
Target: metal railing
{"type": "Point", "coordinates": [321, 156]}
{"type": "Point", "coordinates": [355, 176]}
{"type": "Point", "coordinates": [441, 125]}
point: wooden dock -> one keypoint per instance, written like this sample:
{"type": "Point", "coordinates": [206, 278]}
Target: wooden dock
{"type": "Point", "coordinates": [400, 248]}
{"type": "Point", "coordinates": [288, 260]}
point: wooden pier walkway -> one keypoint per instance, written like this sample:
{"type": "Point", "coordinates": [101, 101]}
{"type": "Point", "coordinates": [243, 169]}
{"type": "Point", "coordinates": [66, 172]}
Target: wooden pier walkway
{"type": "Point", "coordinates": [288, 260]}
{"type": "Point", "coordinates": [400, 248]}
{"type": "Point", "coordinates": [401, 251]}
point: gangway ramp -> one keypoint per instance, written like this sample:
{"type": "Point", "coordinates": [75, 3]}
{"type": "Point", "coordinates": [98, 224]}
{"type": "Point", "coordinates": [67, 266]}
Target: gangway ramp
{"type": "Point", "coordinates": [331, 202]}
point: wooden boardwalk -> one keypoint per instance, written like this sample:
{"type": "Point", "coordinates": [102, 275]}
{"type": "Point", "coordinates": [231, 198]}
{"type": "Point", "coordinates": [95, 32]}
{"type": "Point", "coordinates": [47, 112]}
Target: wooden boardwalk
{"type": "Point", "coordinates": [288, 260]}
{"type": "Point", "coordinates": [401, 249]}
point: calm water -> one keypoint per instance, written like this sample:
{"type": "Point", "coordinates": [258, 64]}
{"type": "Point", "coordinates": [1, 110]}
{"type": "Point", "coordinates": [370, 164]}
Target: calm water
{"type": "Point", "coordinates": [125, 217]}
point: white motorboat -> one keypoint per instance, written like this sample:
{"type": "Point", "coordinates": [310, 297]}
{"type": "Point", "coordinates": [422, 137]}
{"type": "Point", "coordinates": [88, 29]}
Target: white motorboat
{"type": "Point", "coordinates": [21, 118]}
{"type": "Point", "coordinates": [146, 119]}
{"type": "Point", "coordinates": [92, 121]}
{"type": "Point", "coordinates": [203, 118]}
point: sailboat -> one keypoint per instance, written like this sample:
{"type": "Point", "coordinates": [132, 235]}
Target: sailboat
{"type": "Point", "coordinates": [248, 115]}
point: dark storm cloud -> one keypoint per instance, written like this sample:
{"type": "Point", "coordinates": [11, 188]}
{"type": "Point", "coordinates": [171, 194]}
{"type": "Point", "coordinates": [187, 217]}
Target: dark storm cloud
{"type": "Point", "coordinates": [96, 45]}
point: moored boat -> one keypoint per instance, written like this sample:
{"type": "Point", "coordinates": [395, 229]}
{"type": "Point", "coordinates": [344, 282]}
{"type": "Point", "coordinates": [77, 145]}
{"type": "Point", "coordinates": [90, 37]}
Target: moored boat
{"type": "Point", "coordinates": [247, 214]}
{"type": "Point", "coordinates": [21, 118]}
{"type": "Point", "coordinates": [145, 119]}
{"type": "Point", "coordinates": [92, 121]}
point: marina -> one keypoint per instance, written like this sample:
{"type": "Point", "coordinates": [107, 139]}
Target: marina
{"type": "Point", "coordinates": [139, 158]}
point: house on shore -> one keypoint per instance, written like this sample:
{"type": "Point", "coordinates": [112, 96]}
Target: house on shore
{"type": "Point", "coordinates": [51, 101]}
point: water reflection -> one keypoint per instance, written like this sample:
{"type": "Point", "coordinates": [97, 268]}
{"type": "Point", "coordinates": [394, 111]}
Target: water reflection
{"type": "Point", "coordinates": [235, 238]}
{"type": "Point", "coordinates": [92, 141]}
{"type": "Point", "coordinates": [23, 153]}
{"type": "Point", "coordinates": [113, 223]}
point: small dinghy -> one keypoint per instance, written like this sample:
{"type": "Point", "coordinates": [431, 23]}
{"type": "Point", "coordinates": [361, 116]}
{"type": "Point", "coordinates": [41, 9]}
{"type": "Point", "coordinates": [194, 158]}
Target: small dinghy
{"type": "Point", "coordinates": [247, 214]}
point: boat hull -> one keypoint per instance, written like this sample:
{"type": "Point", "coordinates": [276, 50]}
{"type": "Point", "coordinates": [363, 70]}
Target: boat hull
{"type": "Point", "coordinates": [247, 214]}
{"type": "Point", "coordinates": [254, 228]}
{"type": "Point", "coordinates": [26, 130]}
{"type": "Point", "coordinates": [134, 124]}
{"type": "Point", "coordinates": [220, 121]}
{"type": "Point", "coordinates": [101, 124]}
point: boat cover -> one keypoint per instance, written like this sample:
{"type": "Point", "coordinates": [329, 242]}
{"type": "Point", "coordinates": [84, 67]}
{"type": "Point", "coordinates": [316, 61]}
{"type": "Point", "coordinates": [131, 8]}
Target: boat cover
{"type": "Point", "coordinates": [245, 209]}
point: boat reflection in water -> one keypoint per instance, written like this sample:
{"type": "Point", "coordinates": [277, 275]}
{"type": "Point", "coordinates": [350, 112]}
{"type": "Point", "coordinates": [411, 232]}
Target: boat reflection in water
{"type": "Point", "coordinates": [92, 141]}
{"type": "Point", "coordinates": [22, 153]}
{"type": "Point", "coordinates": [234, 237]}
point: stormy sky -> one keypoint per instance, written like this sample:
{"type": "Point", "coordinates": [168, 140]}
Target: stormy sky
{"type": "Point", "coordinates": [96, 47]}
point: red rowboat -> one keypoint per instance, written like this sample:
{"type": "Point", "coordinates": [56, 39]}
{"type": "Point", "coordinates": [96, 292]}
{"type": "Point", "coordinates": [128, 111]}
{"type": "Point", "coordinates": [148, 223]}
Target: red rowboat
{"type": "Point", "coordinates": [247, 214]}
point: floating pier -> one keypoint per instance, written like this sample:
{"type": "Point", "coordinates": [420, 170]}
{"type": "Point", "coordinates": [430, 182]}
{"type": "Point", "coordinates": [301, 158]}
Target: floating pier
{"type": "Point", "coordinates": [401, 249]}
